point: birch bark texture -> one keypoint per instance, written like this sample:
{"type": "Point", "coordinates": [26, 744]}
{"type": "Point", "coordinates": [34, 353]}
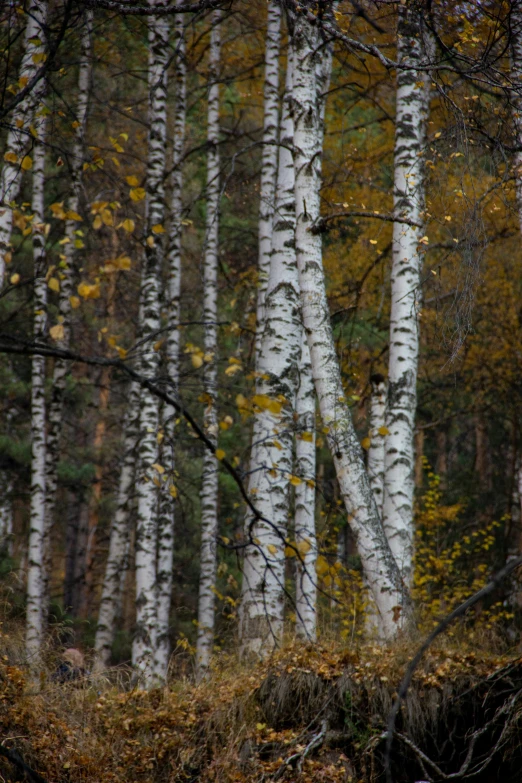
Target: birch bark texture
{"type": "Point", "coordinates": [377, 435]}
{"type": "Point", "coordinates": [379, 565]}
{"type": "Point", "coordinates": [166, 515]}
{"type": "Point", "coordinates": [263, 589]}
{"type": "Point", "coordinates": [209, 488]}
{"type": "Point", "coordinates": [15, 158]}
{"type": "Point", "coordinates": [408, 202]}
{"type": "Point", "coordinates": [116, 564]}
{"type": "Point", "coordinates": [516, 95]}
{"type": "Point", "coordinates": [67, 269]}
{"type": "Point", "coordinates": [35, 620]}
{"type": "Point", "coordinates": [148, 478]}
{"type": "Point", "coordinates": [268, 161]}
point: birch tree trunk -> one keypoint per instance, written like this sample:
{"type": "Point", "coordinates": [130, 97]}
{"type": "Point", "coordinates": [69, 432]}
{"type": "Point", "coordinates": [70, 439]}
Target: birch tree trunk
{"type": "Point", "coordinates": [305, 537]}
{"type": "Point", "coordinates": [61, 367]}
{"type": "Point", "coordinates": [262, 600]}
{"type": "Point", "coordinates": [377, 437]}
{"type": "Point", "coordinates": [410, 130]}
{"type": "Point", "coordinates": [35, 594]}
{"type": "Point", "coordinates": [516, 95]}
{"type": "Point", "coordinates": [379, 565]}
{"type": "Point", "coordinates": [118, 544]}
{"type": "Point", "coordinates": [168, 490]}
{"type": "Point", "coordinates": [6, 513]}
{"type": "Point", "coordinates": [269, 161]}
{"type": "Point", "coordinates": [19, 138]}
{"type": "Point", "coordinates": [148, 474]}
{"type": "Point", "coordinates": [209, 489]}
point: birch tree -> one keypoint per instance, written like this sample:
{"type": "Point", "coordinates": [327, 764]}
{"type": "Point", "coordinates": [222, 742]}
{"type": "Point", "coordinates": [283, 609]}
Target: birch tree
{"type": "Point", "coordinates": [262, 598]}
{"type": "Point", "coordinates": [209, 489]}
{"type": "Point", "coordinates": [67, 269]}
{"type": "Point", "coordinates": [35, 593]}
{"type": "Point", "coordinates": [379, 565]}
{"type": "Point", "coordinates": [149, 470]}
{"type": "Point", "coordinates": [19, 139]}
{"type": "Point", "coordinates": [408, 201]}
{"type": "Point", "coordinates": [516, 95]}
{"type": "Point", "coordinates": [377, 436]}
{"type": "Point", "coordinates": [168, 490]}
{"type": "Point", "coordinates": [269, 160]}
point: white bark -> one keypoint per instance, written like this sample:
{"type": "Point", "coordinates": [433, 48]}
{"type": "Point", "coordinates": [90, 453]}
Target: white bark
{"type": "Point", "coordinates": [209, 489]}
{"type": "Point", "coordinates": [305, 537]}
{"type": "Point", "coordinates": [62, 367]}
{"type": "Point", "coordinates": [410, 123]}
{"type": "Point", "coordinates": [119, 537]}
{"type": "Point", "coordinates": [19, 138]}
{"type": "Point", "coordinates": [168, 414]}
{"type": "Point", "coordinates": [6, 513]}
{"type": "Point", "coordinates": [269, 161]}
{"type": "Point", "coordinates": [148, 477]}
{"type": "Point", "coordinates": [377, 435]}
{"type": "Point", "coordinates": [378, 563]}
{"type": "Point", "coordinates": [35, 593]}
{"type": "Point", "coordinates": [262, 602]}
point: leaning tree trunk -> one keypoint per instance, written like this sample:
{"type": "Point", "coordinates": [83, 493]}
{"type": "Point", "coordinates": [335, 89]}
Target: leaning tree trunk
{"type": "Point", "coordinates": [67, 268]}
{"type": "Point", "coordinates": [149, 471]}
{"type": "Point", "coordinates": [262, 600]}
{"type": "Point", "coordinates": [516, 95]}
{"type": "Point", "coordinates": [15, 156]}
{"type": "Point", "coordinates": [410, 125]}
{"type": "Point", "coordinates": [209, 489]}
{"type": "Point", "coordinates": [269, 162]}
{"type": "Point", "coordinates": [378, 562]}
{"type": "Point", "coordinates": [35, 593]}
{"type": "Point", "coordinates": [116, 564]}
{"type": "Point", "coordinates": [168, 414]}
{"type": "Point", "coordinates": [377, 435]}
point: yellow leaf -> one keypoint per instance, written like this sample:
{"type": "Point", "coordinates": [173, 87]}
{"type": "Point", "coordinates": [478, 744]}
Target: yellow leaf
{"type": "Point", "coordinates": [383, 431]}
{"type": "Point", "coordinates": [78, 244]}
{"type": "Point", "coordinates": [303, 547]}
{"type": "Point", "coordinates": [57, 332]}
{"type": "Point", "coordinates": [127, 225]}
{"type": "Point", "coordinates": [72, 215]}
{"type": "Point", "coordinates": [307, 436]}
{"type": "Point", "coordinates": [58, 210]}
{"type": "Point", "coordinates": [123, 263]}
{"type": "Point", "coordinates": [14, 279]}
{"type": "Point", "coordinates": [220, 454]}
{"type": "Point", "coordinates": [264, 402]}
{"type": "Point", "coordinates": [107, 217]}
{"type": "Point", "coordinates": [366, 443]}
{"type": "Point", "coordinates": [150, 241]}
{"type": "Point", "coordinates": [122, 353]}
{"type": "Point", "coordinates": [272, 549]}
{"type": "Point", "coordinates": [173, 491]}
{"type": "Point", "coordinates": [260, 726]}
{"type": "Point", "coordinates": [158, 229]}
{"type": "Point", "coordinates": [373, 241]}
{"type": "Point", "coordinates": [132, 181]}
{"type": "Point", "coordinates": [424, 241]}
{"type": "Point", "coordinates": [75, 302]}
{"type": "Point", "coordinates": [137, 194]}
{"type": "Point", "coordinates": [10, 157]}
{"type": "Point", "coordinates": [157, 345]}
{"type": "Point", "coordinates": [158, 467]}
{"type": "Point", "coordinates": [54, 284]}
{"type": "Point", "coordinates": [97, 222]}
{"type": "Point", "coordinates": [27, 163]}
{"type": "Point", "coordinates": [197, 360]}
{"type": "Point", "coordinates": [233, 369]}
{"type": "Point", "coordinates": [295, 481]}
{"type": "Point", "coordinates": [88, 291]}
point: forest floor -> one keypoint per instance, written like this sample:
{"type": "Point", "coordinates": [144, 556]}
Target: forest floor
{"type": "Point", "coordinates": [308, 714]}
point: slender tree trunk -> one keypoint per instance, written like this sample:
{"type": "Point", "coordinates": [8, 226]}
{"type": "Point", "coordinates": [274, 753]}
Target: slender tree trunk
{"type": "Point", "coordinates": [305, 537]}
{"type": "Point", "coordinates": [149, 476]}
{"type": "Point", "coordinates": [378, 562]}
{"type": "Point", "coordinates": [6, 513]}
{"type": "Point", "coordinates": [377, 439]}
{"type": "Point", "coordinates": [209, 489]}
{"type": "Point", "coordinates": [269, 161]}
{"type": "Point", "coordinates": [116, 565]}
{"type": "Point", "coordinates": [262, 603]}
{"type": "Point", "coordinates": [168, 491]}
{"type": "Point", "coordinates": [61, 367]}
{"type": "Point", "coordinates": [15, 155]}
{"type": "Point", "coordinates": [410, 131]}
{"type": "Point", "coordinates": [516, 97]}
{"type": "Point", "coordinates": [35, 595]}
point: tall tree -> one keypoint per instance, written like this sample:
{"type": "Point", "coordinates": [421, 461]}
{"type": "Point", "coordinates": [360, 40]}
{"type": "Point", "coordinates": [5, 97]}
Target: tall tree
{"type": "Point", "coordinates": [19, 139]}
{"type": "Point", "coordinates": [35, 593]}
{"type": "Point", "coordinates": [149, 471]}
{"type": "Point", "coordinates": [377, 435]}
{"type": "Point", "coordinates": [67, 269]}
{"type": "Point", "coordinates": [409, 202]}
{"type": "Point", "coordinates": [209, 488]}
{"type": "Point", "coordinates": [378, 562]}
{"type": "Point", "coordinates": [262, 600]}
{"type": "Point", "coordinates": [269, 160]}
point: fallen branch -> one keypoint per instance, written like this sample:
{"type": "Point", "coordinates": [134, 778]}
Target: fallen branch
{"type": "Point", "coordinates": [14, 757]}
{"type": "Point", "coordinates": [299, 758]}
